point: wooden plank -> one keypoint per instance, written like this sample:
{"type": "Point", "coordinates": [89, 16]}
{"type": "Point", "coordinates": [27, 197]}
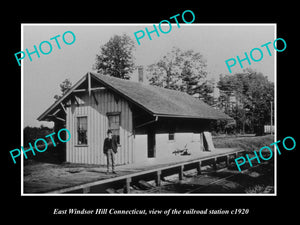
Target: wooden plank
{"type": "Point", "coordinates": [199, 167]}
{"type": "Point", "coordinates": [91, 89]}
{"type": "Point", "coordinates": [79, 90]}
{"type": "Point", "coordinates": [56, 111]}
{"type": "Point", "coordinates": [180, 173]}
{"type": "Point", "coordinates": [127, 187]}
{"type": "Point", "coordinates": [208, 138]}
{"type": "Point", "coordinates": [95, 98]}
{"type": "Point", "coordinates": [201, 143]}
{"type": "Point", "coordinates": [61, 119]}
{"type": "Point", "coordinates": [110, 190]}
{"type": "Point", "coordinates": [68, 127]}
{"type": "Point", "coordinates": [98, 88]}
{"type": "Point", "coordinates": [92, 133]}
{"type": "Point", "coordinates": [129, 176]}
{"type": "Point", "coordinates": [63, 108]}
{"type": "Point", "coordinates": [144, 185]}
{"type": "Point", "coordinates": [227, 160]}
{"type": "Point", "coordinates": [131, 137]}
{"type": "Point", "coordinates": [215, 163]}
{"type": "Point", "coordinates": [235, 155]}
{"type": "Point", "coordinates": [75, 98]}
{"type": "Point", "coordinates": [98, 139]}
{"type": "Point", "coordinates": [89, 83]}
{"type": "Point", "coordinates": [72, 141]}
{"type": "Point", "coordinates": [86, 189]}
{"type": "Point", "coordinates": [158, 179]}
{"type": "Point", "coordinates": [58, 118]}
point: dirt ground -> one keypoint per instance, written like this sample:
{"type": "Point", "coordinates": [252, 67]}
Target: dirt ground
{"type": "Point", "coordinates": [40, 177]}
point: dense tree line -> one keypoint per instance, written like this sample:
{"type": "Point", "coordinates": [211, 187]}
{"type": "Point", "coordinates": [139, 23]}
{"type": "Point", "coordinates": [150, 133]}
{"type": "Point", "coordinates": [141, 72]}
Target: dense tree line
{"type": "Point", "coordinates": [33, 133]}
{"type": "Point", "coordinates": [247, 97]}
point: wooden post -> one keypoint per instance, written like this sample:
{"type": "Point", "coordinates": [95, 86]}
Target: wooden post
{"type": "Point", "coordinates": [201, 143]}
{"type": "Point", "coordinates": [95, 98]}
{"type": "Point", "coordinates": [63, 107]}
{"type": "Point", "coordinates": [227, 160]}
{"type": "Point", "coordinates": [127, 187]}
{"type": "Point", "coordinates": [158, 180]}
{"type": "Point", "coordinates": [151, 141]}
{"type": "Point", "coordinates": [89, 83]}
{"type": "Point", "coordinates": [180, 172]}
{"type": "Point", "coordinates": [199, 167]}
{"type": "Point", "coordinates": [271, 127]}
{"type": "Point", "coordinates": [86, 190]}
{"type": "Point", "coordinates": [215, 164]}
{"type": "Point", "coordinates": [75, 98]}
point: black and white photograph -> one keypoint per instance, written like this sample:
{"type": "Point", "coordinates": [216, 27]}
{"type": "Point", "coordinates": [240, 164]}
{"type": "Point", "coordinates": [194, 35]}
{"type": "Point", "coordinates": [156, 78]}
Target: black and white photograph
{"type": "Point", "coordinates": [144, 112]}
{"type": "Point", "coordinates": [110, 113]}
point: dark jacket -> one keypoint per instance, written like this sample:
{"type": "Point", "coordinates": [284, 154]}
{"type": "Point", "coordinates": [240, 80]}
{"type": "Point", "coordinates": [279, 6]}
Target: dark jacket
{"type": "Point", "coordinates": [114, 144]}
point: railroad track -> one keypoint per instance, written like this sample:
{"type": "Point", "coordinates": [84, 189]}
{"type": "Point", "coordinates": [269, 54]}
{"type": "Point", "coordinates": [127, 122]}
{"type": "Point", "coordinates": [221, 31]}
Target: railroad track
{"type": "Point", "coordinates": [196, 190]}
{"type": "Point", "coordinates": [222, 179]}
{"type": "Point", "coordinates": [129, 183]}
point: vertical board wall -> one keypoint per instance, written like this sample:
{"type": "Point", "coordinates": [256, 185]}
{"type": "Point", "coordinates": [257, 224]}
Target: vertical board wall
{"type": "Point", "coordinates": [97, 128]}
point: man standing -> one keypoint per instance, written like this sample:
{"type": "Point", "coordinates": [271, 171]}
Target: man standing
{"type": "Point", "coordinates": [110, 147]}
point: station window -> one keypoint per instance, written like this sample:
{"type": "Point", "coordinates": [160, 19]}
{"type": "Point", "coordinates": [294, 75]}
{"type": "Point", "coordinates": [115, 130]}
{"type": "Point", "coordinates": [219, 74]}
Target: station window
{"type": "Point", "coordinates": [114, 124]}
{"type": "Point", "coordinates": [82, 130]}
{"type": "Point", "coordinates": [171, 136]}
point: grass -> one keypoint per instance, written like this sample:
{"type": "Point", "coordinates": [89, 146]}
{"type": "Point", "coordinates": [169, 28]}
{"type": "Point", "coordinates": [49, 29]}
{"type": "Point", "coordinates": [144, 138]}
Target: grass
{"type": "Point", "coordinates": [248, 144]}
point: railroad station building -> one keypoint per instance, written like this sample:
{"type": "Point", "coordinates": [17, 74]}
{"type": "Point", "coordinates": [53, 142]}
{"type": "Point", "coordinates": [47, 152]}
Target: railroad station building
{"type": "Point", "coordinates": [150, 122]}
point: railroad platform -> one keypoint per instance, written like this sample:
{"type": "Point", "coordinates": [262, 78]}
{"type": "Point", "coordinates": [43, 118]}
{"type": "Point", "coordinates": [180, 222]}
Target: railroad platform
{"type": "Point", "coordinates": [84, 179]}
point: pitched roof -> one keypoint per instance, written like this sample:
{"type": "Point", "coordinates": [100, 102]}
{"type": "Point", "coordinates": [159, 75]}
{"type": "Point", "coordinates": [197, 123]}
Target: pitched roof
{"type": "Point", "coordinates": [158, 101]}
{"type": "Point", "coordinates": [161, 101]}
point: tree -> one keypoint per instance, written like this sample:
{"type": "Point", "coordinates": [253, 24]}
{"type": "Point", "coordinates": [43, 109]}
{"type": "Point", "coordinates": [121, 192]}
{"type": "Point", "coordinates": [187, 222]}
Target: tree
{"type": "Point", "coordinates": [116, 57]}
{"type": "Point", "coordinates": [181, 70]}
{"type": "Point", "coordinates": [64, 87]}
{"type": "Point", "coordinates": [33, 133]}
{"type": "Point", "coordinates": [246, 97]}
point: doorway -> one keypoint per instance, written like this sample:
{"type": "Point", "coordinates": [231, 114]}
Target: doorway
{"type": "Point", "coordinates": [151, 144]}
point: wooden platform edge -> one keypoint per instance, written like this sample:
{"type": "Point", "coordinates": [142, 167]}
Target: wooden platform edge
{"type": "Point", "coordinates": [86, 186]}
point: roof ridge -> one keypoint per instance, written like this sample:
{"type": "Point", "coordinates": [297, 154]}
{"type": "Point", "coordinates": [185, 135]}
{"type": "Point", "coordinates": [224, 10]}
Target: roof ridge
{"type": "Point", "coordinates": [153, 99]}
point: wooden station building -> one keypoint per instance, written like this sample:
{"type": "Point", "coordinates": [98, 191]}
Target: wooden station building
{"type": "Point", "coordinates": [150, 122]}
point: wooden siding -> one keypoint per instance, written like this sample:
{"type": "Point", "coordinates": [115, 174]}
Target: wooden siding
{"type": "Point", "coordinates": [97, 128]}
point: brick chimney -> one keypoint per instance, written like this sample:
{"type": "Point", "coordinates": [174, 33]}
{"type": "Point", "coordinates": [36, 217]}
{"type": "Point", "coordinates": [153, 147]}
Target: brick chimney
{"type": "Point", "coordinates": [141, 74]}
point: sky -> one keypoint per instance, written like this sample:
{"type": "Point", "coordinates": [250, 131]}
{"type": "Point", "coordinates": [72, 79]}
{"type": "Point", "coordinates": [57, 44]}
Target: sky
{"type": "Point", "coordinates": [216, 42]}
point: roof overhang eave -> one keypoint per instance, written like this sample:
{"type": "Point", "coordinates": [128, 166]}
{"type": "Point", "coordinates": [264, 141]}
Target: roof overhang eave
{"type": "Point", "coordinates": [44, 115]}
{"type": "Point", "coordinates": [191, 117]}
